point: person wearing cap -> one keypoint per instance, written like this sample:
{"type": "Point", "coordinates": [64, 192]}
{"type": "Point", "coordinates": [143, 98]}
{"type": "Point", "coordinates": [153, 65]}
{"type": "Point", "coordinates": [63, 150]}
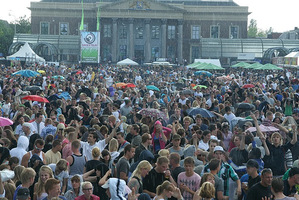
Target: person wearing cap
{"type": "Point", "coordinates": [87, 189]}
{"type": "Point", "coordinates": [176, 141]}
{"type": "Point", "coordinates": [23, 194]}
{"type": "Point", "coordinates": [252, 168]}
{"type": "Point", "coordinates": [291, 182]}
{"type": "Point", "coordinates": [226, 172]}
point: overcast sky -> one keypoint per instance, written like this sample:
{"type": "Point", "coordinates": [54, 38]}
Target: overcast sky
{"type": "Point", "coordinates": [280, 15]}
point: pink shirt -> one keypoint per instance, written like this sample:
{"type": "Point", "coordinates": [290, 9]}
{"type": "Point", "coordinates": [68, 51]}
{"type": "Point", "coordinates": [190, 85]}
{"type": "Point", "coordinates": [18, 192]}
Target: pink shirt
{"type": "Point", "coordinates": [191, 182]}
{"type": "Point", "coordinates": [93, 197]}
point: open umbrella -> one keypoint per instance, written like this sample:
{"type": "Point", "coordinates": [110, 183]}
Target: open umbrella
{"type": "Point", "coordinates": [131, 85]}
{"type": "Point", "coordinates": [58, 77]}
{"type": "Point", "coordinates": [204, 73]}
{"type": "Point", "coordinates": [152, 87]}
{"type": "Point", "coordinates": [26, 73]}
{"type": "Point", "coordinates": [264, 128]}
{"type": "Point", "coordinates": [41, 72]}
{"type": "Point", "coordinates": [248, 86]}
{"type": "Point", "coordinates": [33, 88]}
{"type": "Point", "coordinates": [188, 92]}
{"type": "Point", "coordinates": [269, 66]}
{"type": "Point", "coordinates": [200, 86]}
{"type": "Point", "coordinates": [224, 78]}
{"type": "Point", "coordinates": [119, 85]}
{"type": "Point", "coordinates": [202, 111]}
{"type": "Point", "coordinates": [36, 98]}
{"type": "Point", "coordinates": [5, 122]}
{"type": "Point", "coordinates": [151, 112]}
{"type": "Point", "coordinates": [240, 64]}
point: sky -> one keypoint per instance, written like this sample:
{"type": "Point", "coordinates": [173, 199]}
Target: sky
{"type": "Point", "coordinates": [280, 15]}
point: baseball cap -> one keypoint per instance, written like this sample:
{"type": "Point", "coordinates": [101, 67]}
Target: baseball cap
{"type": "Point", "coordinates": [176, 137]}
{"type": "Point", "coordinates": [293, 171]}
{"type": "Point", "coordinates": [218, 148]}
{"type": "Point", "coordinates": [23, 193]}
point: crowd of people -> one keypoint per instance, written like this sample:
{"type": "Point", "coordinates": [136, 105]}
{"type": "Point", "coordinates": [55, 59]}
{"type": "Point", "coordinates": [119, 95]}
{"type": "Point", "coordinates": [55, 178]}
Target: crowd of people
{"type": "Point", "coordinates": [111, 132]}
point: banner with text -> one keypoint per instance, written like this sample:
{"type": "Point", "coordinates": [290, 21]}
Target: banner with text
{"type": "Point", "coordinates": [90, 47]}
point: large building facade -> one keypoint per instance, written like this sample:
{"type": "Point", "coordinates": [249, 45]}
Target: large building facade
{"type": "Point", "coordinates": [142, 30]}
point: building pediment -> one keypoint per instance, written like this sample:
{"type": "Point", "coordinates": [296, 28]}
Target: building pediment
{"type": "Point", "coordinates": [140, 5]}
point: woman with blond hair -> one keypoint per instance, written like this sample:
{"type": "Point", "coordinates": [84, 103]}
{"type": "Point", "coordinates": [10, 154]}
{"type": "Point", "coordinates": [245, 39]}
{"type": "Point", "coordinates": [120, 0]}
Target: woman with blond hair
{"type": "Point", "coordinates": [39, 188]}
{"type": "Point", "coordinates": [167, 190]}
{"type": "Point", "coordinates": [113, 147]}
{"type": "Point", "coordinates": [60, 172]}
{"type": "Point", "coordinates": [138, 174]}
{"type": "Point", "coordinates": [207, 191]}
{"type": "Point", "coordinates": [95, 161]}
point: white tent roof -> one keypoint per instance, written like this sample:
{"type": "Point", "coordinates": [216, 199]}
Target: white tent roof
{"type": "Point", "coordinates": [127, 61]}
{"type": "Point", "coordinates": [292, 55]}
{"type": "Point", "coordinates": [212, 61]}
{"type": "Point", "coordinates": [27, 54]}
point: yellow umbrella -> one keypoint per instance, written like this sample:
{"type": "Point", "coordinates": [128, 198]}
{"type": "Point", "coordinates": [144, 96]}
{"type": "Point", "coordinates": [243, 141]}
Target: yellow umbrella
{"type": "Point", "coordinates": [41, 72]}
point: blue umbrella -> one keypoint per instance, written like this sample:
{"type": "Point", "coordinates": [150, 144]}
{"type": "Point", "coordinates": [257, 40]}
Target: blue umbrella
{"type": "Point", "coordinates": [152, 87]}
{"type": "Point", "coordinates": [58, 77]}
{"type": "Point", "coordinates": [204, 73]}
{"type": "Point", "coordinates": [26, 73]}
{"type": "Point", "coordinates": [202, 111]}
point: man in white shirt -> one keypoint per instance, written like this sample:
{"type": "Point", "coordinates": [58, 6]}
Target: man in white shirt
{"type": "Point", "coordinates": [92, 142]}
{"type": "Point", "coordinates": [204, 143]}
{"type": "Point", "coordinates": [38, 125]}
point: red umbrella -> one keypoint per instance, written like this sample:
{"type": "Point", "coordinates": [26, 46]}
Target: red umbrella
{"type": "Point", "coordinates": [248, 86]}
{"type": "Point", "coordinates": [131, 85]}
{"type": "Point", "coordinates": [36, 98]}
{"type": "Point", "coordinates": [79, 72]}
{"type": "Point", "coordinates": [5, 121]}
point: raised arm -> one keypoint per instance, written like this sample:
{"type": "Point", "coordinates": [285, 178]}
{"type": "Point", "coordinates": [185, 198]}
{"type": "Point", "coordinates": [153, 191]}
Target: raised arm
{"type": "Point", "coordinates": [113, 133]}
{"type": "Point", "coordinates": [256, 124]}
{"type": "Point", "coordinates": [295, 132]}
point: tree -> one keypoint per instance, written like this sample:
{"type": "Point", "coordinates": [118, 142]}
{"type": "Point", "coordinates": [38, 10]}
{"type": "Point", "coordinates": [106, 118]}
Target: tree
{"type": "Point", "coordinates": [6, 36]}
{"type": "Point", "coordinates": [254, 31]}
{"type": "Point", "coordinates": [23, 25]}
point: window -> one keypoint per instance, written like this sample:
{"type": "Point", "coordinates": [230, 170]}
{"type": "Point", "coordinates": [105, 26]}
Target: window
{"type": "Point", "coordinates": [194, 52]}
{"type": "Point", "coordinates": [123, 31]}
{"type": "Point", "coordinates": [214, 31]}
{"type": "Point", "coordinates": [44, 28]}
{"type": "Point", "coordinates": [171, 52]}
{"type": "Point", "coordinates": [64, 28]}
{"type": "Point", "coordinates": [155, 53]}
{"type": "Point", "coordinates": [139, 32]}
{"type": "Point", "coordinates": [107, 53]}
{"type": "Point", "coordinates": [155, 32]}
{"type": "Point", "coordinates": [171, 32]}
{"type": "Point", "coordinates": [107, 30]}
{"type": "Point", "coordinates": [195, 32]}
{"type": "Point", "coordinates": [234, 32]}
{"type": "Point", "coordinates": [123, 51]}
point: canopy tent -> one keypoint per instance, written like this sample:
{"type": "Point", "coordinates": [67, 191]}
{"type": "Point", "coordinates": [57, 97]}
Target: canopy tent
{"type": "Point", "coordinates": [292, 55]}
{"type": "Point", "coordinates": [127, 62]}
{"type": "Point", "coordinates": [208, 66]}
{"type": "Point", "coordinates": [209, 61]}
{"type": "Point", "coordinates": [25, 53]}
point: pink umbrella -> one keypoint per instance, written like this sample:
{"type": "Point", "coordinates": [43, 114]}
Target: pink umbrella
{"type": "Point", "coordinates": [5, 121]}
{"type": "Point", "coordinates": [264, 129]}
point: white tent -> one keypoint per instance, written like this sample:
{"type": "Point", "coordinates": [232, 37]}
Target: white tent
{"type": "Point", "coordinates": [25, 53]}
{"type": "Point", "coordinates": [292, 55]}
{"type": "Point", "coordinates": [127, 61]}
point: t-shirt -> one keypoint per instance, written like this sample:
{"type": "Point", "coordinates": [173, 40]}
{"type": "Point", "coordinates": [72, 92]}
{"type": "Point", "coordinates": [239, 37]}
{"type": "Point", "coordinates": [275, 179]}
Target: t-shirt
{"type": "Point", "coordinates": [180, 152]}
{"type": "Point", "coordinates": [258, 191]}
{"type": "Point", "coordinates": [253, 181]}
{"type": "Point", "coordinates": [175, 173]}
{"type": "Point", "coordinates": [218, 185]}
{"type": "Point", "coordinates": [191, 182]}
{"type": "Point", "coordinates": [239, 156]}
{"type": "Point", "coordinates": [152, 180]}
{"type": "Point", "coordinates": [87, 148]}
{"type": "Point", "coordinates": [52, 157]}
{"type": "Point", "coordinates": [122, 165]}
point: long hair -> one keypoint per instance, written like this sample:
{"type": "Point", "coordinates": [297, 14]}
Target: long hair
{"type": "Point", "coordinates": [143, 164]}
{"type": "Point", "coordinates": [207, 190]}
{"type": "Point", "coordinates": [40, 185]}
{"type": "Point", "coordinates": [166, 185]}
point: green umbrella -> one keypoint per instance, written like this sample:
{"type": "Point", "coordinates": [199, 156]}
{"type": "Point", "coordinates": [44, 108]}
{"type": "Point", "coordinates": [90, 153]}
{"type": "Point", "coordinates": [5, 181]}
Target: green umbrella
{"type": "Point", "coordinates": [269, 67]}
{"type": "Point", "coordinates": [193, 65]}
{"type": "Point", "coordinates": [200, 86]}
{"type": "Point", "coordinates": [209, 66]}
{"type": "Point", "coordinates": [254, 66]}
{"type": "Point", "coordinates": [240, 64]}
{"type": "Point", "coordinates": [152, 87]}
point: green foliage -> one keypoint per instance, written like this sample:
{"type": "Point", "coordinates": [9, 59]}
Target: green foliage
{"type": "Point", "coordinates": [255, 32]}
{"type": "Point", "coordinates": [6, 36]}
{"type": "Point", "coordinates": [23, 25]}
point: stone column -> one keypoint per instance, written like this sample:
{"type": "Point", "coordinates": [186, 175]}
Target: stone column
{"type": "Point", "coordinates": [131, 38]}
{"type": "Point", "coordinates": [180, 41]}
{"type": "Point", "coordinates": [163, 38]}
{"type": "Point", "coordinates": [147, 40]}
{"type": "Point", "coordinates": [114, 40]}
